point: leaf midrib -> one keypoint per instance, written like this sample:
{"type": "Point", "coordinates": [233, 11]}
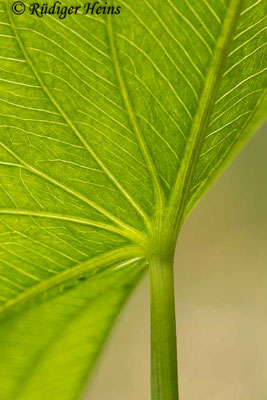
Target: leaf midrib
{"type": "Point", "coordinates": [200, 125]}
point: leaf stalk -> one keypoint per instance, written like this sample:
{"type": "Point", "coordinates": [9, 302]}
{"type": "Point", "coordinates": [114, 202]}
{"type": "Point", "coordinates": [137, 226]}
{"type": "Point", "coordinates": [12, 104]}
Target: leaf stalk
{"type": "Point", "coordinates": [164, 375]}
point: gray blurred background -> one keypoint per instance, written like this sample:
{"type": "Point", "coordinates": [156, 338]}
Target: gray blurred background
{"type": "Point", "coordinates": [221, 298]}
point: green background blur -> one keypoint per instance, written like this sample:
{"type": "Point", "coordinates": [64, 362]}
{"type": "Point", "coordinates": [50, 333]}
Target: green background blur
{"type": "Point", "coordinates": [221, 298]}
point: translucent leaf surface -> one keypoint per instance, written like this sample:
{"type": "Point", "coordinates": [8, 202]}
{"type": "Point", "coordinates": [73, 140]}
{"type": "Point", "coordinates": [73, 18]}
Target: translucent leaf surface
{"type": "Point", "coordinates": [112, 127]}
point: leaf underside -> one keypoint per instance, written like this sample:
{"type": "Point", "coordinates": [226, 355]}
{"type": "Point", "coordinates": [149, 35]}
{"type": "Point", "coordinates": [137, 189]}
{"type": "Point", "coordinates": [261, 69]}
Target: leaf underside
{"type": "Point", "coordinates": [109, 126]}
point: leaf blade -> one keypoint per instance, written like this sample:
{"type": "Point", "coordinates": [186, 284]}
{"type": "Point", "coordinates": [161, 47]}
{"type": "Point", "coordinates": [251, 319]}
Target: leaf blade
{"type": "Point", "coordinates": [63, 203]}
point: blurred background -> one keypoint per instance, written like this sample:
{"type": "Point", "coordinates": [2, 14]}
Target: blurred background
{"type": "Point", "coordinates": [221, 298]}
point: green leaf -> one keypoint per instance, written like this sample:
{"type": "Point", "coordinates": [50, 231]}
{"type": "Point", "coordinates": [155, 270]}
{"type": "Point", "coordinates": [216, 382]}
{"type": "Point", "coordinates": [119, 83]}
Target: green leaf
{"type": "Point", "coordinates": [112, 128]}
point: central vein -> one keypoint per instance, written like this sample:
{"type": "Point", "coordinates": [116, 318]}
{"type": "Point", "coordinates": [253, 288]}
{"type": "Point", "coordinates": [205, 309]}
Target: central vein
{"type": "Point", "coordinates": [201, 122]}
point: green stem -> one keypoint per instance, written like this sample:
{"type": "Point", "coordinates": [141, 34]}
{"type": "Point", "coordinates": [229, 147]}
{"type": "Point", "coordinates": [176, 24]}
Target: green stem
{"type": "Point", "coordinates": [164, 379]}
